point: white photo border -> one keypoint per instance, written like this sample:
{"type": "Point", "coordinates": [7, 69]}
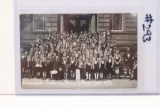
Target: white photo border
{"type": "Point", "coordinates": [141, 49]}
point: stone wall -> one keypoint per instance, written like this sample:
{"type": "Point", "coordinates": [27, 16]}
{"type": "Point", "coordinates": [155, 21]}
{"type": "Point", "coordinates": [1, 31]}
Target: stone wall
{"type": "Point", "coordinates": [128, 34]}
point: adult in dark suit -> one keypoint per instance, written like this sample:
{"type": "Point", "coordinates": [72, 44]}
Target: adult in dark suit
{"type": "Point", "coordinates": [56, 65]}
{"type": "Point", "coordinates": [128, 62]}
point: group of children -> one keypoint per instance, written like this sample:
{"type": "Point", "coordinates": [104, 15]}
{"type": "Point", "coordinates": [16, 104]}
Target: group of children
{"type": "Point", "coordinates": [60, 55]}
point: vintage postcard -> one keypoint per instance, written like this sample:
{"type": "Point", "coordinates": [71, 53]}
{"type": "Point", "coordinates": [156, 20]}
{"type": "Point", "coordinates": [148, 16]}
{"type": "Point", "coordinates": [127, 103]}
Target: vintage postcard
{"type": "Point", "coordinates": [78, 51]}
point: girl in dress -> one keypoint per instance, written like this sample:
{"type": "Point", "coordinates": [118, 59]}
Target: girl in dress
{"type": "Point", "coordinates": [117, 60]}
{"type": "Point", "coordinates": [65, 69]}
{"type": "Point", "coordinates": [24, 64]}
{"type": "Point", "coordinates": [110, 66]}
{"type": "Point", "coordinates": [73, 68]}
{"type": "Point", "coordinates": [80, 66]}
{"type": "Point", "coordinates": [96, 69]}
{"type": "Point", "coordinates": [44, 58]}
{"type": "Point", "coordinates": [29, 66]}
{"type": "Point", "coordinates": [134, 70]}
{"type": "Point", "coordinates": [84, 66]}
{"type": "Point", "coordinates": [102, 67]}
{"type": "Point", "coordinates": [88, 69]}
{"type": "Point", "coordinates": [38, 67]}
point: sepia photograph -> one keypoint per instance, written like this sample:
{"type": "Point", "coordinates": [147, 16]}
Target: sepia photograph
{"type": "Point", "coordinates": [78, 51]}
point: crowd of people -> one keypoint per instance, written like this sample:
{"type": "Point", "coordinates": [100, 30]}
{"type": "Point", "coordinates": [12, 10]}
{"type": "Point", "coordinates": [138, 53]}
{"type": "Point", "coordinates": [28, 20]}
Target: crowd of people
{"type": "Point", "coordinates": [59, 55]}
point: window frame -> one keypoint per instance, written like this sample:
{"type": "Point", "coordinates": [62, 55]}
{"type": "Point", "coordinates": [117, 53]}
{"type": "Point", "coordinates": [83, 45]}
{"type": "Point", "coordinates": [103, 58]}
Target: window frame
{"type": "Point", "coordinates": [122, 22]}
{"type": "Point", "coordinates": [44, 25]}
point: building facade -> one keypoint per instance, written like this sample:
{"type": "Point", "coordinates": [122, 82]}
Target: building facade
{"type": "Point", "coordinates": [122, 25]}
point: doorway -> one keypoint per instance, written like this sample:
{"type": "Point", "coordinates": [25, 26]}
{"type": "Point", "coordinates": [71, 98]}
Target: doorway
{"type": "Point", "coordinates": [77, 23]}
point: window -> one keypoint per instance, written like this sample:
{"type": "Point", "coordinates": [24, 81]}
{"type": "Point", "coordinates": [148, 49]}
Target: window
{"type": "Point", "coordinates": [39, 22]}
{"type": "Point", "coordinates": [73, 22]}
{"type": "Point", "coordinates": [83, 22]}
{"type": "Point", "coordinates": [116, 21]}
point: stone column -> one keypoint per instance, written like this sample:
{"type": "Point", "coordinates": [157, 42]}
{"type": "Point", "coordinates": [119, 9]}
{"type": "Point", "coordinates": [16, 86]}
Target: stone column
{"type": "Point", "coordinates": [61, 23]}
{"type": "Point", "coordinates": [93, 23]}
